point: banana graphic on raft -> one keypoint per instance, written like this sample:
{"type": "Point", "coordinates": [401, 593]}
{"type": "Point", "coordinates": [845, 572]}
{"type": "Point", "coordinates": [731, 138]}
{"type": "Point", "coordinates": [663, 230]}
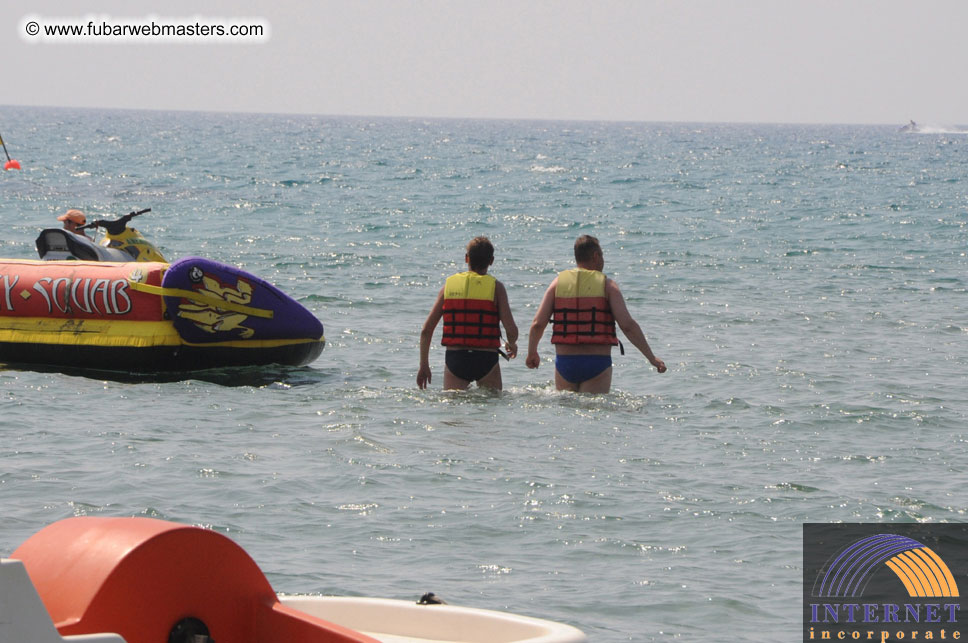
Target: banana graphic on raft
{"type": "Point", "coordinates": [209, 317]}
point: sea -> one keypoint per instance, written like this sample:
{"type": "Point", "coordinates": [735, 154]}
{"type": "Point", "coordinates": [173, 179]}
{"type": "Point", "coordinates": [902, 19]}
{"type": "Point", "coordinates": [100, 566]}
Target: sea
{"type": "Point", "coordinates": [805, 284]}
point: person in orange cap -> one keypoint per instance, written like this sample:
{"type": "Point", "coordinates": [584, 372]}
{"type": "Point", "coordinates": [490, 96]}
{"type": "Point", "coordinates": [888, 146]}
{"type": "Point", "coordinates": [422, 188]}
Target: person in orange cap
{"type": "Point", "coordinates": [72, 219]}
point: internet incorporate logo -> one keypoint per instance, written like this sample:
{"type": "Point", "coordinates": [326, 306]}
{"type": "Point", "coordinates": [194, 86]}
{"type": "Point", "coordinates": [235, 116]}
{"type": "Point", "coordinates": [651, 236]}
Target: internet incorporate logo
{"type": "Point", "coordinates": [863, 584]}
{"type": "Point", "coordinates": [922, 571]}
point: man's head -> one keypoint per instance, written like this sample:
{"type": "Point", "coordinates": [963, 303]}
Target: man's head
{"type": "Point", "coordinates": [74, 216]}
{"type": "Point", "coordinates": [588, 253]}
{"type": "Point", "coordinates": [480, 254]}
{"type": "Point", "coordinates": [72, 219]}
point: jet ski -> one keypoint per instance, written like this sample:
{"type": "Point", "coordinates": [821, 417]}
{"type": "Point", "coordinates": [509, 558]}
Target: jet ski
{"type": "Point", "coordinates": [911, 127]}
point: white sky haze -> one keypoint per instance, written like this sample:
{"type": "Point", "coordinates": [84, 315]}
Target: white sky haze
{"type": "Point", "coordinates": [792, 61]}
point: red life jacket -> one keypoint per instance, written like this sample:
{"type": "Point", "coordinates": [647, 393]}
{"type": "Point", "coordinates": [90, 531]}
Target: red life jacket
{"type": "Point", "coordinates": [581, 314]}
{"type": "Point", "coordinates": [470, 311]}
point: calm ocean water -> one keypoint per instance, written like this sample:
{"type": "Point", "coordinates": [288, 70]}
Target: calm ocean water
{"type": "Point", "coordinates": [806, 286]}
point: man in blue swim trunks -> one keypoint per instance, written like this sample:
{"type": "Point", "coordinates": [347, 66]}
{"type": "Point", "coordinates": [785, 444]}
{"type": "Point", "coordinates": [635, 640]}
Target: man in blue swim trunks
{"type": "Point", "coordinates": [584, 306]}
{"type": "Point", "coordinates": [472, 305]}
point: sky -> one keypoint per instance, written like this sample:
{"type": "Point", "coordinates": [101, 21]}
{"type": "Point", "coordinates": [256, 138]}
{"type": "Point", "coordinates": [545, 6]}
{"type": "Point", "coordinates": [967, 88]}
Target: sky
{"type": "Point", "coordinates": [769, 61]}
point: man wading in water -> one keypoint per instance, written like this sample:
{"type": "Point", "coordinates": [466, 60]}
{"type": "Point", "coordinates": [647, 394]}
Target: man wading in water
{"type": "Point", "coordinates": [583, 306]}
{"type": "Point", "coordinates": [471, 304]}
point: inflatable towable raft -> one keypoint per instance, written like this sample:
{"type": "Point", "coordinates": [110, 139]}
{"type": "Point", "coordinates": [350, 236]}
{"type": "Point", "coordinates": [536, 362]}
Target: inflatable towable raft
{"type": "Point", "coordinates": [121, 307]}
{"type": "Point", "coordinates": [142, 580]}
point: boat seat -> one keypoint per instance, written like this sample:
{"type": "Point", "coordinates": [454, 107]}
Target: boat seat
{"type": "Point", "coordinates": [147, 579]}
{"type": "Point", "coordinates": [56, 240]}
{"type": "Point", "coordinates": [59, 244]}
{"type": "Point", "coordinates": [23, 617]}
{"type": "Point", "coordinates": [55, 243]}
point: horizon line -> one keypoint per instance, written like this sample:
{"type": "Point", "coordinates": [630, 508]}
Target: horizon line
{"type": "Point", "coordinates": [466, 118]}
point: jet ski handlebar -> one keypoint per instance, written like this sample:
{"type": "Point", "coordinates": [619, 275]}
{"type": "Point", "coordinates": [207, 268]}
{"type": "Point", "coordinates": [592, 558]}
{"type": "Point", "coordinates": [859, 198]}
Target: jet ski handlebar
{"type": "Point", "coordinates": [114, 227]}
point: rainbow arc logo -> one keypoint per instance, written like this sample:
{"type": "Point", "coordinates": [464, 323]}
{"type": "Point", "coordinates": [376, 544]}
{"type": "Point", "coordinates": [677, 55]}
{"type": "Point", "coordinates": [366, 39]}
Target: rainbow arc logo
{"type": "Point", "coordinates": [922, 571]}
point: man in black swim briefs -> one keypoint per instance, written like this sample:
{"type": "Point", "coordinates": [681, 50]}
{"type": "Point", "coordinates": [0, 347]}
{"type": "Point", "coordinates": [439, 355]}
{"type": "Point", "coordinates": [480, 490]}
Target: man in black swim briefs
{"type": "Point", "coordinates": [473, 305]}
{"type": "Point", "coordinates": [584, 306]}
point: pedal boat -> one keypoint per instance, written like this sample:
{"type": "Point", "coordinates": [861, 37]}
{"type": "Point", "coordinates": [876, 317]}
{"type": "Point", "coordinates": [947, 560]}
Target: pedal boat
{"type": "Point", "coordinates": [141, 580]}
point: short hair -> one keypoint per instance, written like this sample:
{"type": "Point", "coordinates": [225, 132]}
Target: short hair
{"type": "Point", "coordinates": [480, 252]}
{"type": "Point", "coordinates": [585, 248]}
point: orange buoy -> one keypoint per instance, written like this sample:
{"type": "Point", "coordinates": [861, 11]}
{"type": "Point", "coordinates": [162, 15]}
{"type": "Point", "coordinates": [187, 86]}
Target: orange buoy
{"type": "Point", "coordinates": [11, 164]}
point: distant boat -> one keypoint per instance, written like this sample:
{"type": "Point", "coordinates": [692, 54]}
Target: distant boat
{"type": "Point", "coordinates": [911, 127]}
{"type": "Point", "coordinates": [921, 128]}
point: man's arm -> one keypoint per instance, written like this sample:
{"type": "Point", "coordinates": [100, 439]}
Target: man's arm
{"type": "Point", "coordinates": [629, 326]}
{"type": "Point", "coordinates": [426, 335]}
{"type": "Point", "coordinates": [507, 320]}
{"type": "Point", "coordinates": [541, 319]}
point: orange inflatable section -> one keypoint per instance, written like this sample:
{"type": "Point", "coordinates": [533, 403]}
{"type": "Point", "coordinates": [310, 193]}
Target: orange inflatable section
{"type": "Point", "coordinates": [79, 290]}
{"type": "Point", "coordinates": [140, 577]}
